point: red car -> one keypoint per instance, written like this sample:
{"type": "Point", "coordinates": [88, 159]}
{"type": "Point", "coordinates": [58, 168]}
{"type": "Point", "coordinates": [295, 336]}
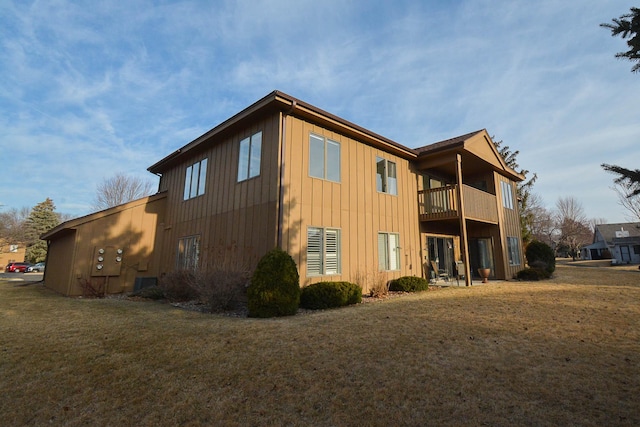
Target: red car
{"type": "Point", "coordinates": [17, 267]}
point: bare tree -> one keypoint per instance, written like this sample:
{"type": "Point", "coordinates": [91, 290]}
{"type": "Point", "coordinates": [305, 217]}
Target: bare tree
{"type": "Point", "coordinates": [543, 225]}
{"type": "Point", "coordinates": [575, 230]}
{"type": "Point", "coordinates": [629, 202]}
{"type": "Point", "coordinates": [12, 225]}
{"type": "Point", "coordinates": [120, 189]}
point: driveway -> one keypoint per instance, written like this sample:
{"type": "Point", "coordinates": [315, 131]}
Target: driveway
{"type": "Point", "coordinates": [21, 277]}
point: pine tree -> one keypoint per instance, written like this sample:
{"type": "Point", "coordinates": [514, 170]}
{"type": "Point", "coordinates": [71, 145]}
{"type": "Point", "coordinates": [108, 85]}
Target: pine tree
{"type": "Point", "coordinates": [42, 218]}
{"type": "Point", "coordinates": [523, 190]}
{"type": "Point", "coordinates": [628, 178]}
{"type": "Point", "coordinates": [628, 28]}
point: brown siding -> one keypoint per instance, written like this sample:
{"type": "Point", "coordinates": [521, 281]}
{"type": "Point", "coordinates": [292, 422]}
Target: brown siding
{"type": "Point", "coordinates": [131, 227]}
{"type": "Point", "coordinates": [509, 227]}
{"type": "Point", "coordinates": [354, 206]}
{"type": "Point", "coordinates": [236, 221]}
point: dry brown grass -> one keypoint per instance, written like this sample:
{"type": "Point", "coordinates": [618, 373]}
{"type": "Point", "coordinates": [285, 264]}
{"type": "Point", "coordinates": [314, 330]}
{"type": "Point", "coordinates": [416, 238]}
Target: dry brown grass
{"type": "Point", "coordinates": [562, 352]}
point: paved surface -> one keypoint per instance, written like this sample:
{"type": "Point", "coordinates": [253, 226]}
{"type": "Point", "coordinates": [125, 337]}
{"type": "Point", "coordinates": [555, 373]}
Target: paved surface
{"type": "Point", "coordinates": [21, 277]}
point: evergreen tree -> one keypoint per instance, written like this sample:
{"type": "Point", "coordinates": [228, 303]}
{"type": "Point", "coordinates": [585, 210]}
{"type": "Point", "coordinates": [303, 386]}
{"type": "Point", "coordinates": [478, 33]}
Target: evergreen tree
{"type": "Point", "coordinates": [628, 26]}
{"type": "Point", "coordinates": [630, 179]}
{"type": "Point", "coordinates": [523, 190]}
{"type": "Point", "coordinates": [41, 219]}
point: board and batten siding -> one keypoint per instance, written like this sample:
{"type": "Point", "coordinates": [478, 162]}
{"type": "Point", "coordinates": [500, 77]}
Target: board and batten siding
{"type": "Point", "coordinates": [236, 221]}
{"type": "Point", "coordinates": [509, 227]}
{"type": "Point", "coordinates": [353, 205]}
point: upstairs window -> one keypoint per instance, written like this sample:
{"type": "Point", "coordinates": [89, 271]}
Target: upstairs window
{"type": "Point", "coordinates": [324, 158]}
{"type": "Point", "coordinates": [507, 194]}
{"type": "Point", "coordinates": [195, 179]}
{"type": "Point", "coordinates": [249, 158]}
{"type": "Point", "coordinates": [323, 251]}
{"type": "Point", "coordinates": [188, 253]}
{"type": "Point", "coordinates": [386, 176]}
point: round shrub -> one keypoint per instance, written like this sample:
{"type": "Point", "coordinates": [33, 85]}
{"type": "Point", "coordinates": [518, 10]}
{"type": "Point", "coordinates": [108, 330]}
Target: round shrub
{"type": "Point", "coordinates": [409, 284]}
{"type": "Point", "coordinates": [541, 256]}
{"type": "Point", "coordinates": [275, 286]}
{"type": "Point", "coordinates": [330, 295]}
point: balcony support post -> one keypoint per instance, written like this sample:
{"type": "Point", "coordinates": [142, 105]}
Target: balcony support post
{"type": "Point", "coordinates": [463, 223]}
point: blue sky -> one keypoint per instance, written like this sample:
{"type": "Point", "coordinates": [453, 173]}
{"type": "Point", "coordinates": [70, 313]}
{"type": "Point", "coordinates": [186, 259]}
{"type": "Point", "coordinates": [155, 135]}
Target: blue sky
{"type": "Point", "coordinates": [90, 89]}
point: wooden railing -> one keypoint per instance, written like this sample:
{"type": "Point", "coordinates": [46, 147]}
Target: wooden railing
{"type": "Point", "coordinates": [442, 203]}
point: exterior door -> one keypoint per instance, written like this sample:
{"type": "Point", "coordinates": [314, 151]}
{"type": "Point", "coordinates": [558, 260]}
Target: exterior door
{"type": "Point", "coordinates": [440, 250]}
{"type": "Point", "coordinates": [625, 254]}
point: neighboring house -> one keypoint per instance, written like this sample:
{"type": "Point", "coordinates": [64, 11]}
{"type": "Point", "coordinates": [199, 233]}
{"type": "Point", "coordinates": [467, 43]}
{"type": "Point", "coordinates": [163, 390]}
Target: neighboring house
{"type": "Point", "coordinates": [11, 251]}
{"type": "Point", "coordinates": [343, 201]}
{"type": "Point", "coordinates": [620, 242]}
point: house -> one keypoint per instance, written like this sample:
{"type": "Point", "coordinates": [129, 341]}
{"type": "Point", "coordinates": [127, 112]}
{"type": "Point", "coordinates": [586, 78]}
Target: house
{"type": "Point", "coordinates": [620, 242]}
{"type": "Point", "coordinates": [11, 251]}
{"type": "Point", "coordinates": [340, 199]}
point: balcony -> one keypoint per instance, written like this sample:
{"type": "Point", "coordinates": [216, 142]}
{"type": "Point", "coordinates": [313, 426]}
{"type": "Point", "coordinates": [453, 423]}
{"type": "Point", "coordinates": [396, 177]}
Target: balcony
{"type": "Point", "coordinates": [442, 203]}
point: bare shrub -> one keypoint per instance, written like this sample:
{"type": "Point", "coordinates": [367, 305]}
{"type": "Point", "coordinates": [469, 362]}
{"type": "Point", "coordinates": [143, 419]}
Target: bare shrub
{"type": "Point", "coordinates": [179, 285]}
{"type": "Point", "coordinates": [223, 281]}
{"type": "Point", "coordinates": [373, 280]}
{"type": "Point", "coordinates": [92, 288]}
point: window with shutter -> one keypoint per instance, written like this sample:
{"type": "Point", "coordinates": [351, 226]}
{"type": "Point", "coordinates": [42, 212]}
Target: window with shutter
{"type": "Point", "coordinates": [323, 251]}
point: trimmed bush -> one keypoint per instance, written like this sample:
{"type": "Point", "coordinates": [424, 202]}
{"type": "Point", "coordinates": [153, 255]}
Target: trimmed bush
{"type": "Point", "coordinates": [275, 286]}
{"type": "Point", "coordinates": [541, 256]}
{"type": "Point", "coordinates": [409, 284]}
{"type": "Point", "coordinates": [330, 295]}
{"type": "Point", "coordinates": [532, 274]}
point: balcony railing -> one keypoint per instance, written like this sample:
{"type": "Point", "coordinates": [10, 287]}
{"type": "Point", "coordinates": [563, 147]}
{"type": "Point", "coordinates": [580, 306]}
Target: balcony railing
{"type": "Point", "coordinates": [442, 203]}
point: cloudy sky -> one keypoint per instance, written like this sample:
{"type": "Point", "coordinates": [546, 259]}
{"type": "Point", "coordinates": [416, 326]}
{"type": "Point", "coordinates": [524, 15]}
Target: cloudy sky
{"type": "Point", "coordinates": [93, 88]}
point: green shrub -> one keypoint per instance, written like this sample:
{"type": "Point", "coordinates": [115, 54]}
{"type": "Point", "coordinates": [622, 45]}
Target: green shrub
{"type": "Point", "coordinates": [409, 284]}
{"type": "Point", "coordinates": [330, 295]}
{"type": "Point", "coordinates": [541, 256]}
{"type": "Point", "coordinates": [275, 286]}
{"type": "Point", "coordinates": [532, 274]}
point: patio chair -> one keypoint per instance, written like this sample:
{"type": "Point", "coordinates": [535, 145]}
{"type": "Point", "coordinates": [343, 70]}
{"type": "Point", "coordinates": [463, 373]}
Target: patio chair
{"type": "Point", "coordinates": [438, 273]}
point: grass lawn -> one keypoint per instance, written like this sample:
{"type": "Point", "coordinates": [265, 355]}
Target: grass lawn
{"type": "Point", "coordinates": [560, 352]}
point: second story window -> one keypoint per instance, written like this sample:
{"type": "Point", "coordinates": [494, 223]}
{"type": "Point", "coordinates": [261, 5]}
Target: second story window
{"type": "Point", "coordinates": [324, 158]}
{"type": "Point", "coordinates": [194, 179]}
{"type": "Point", "coordinates": [507, 195]}
{"type": "Point", "coordinates": [386, 176]}
{"type": "Point", "coordinates": [249, 158]}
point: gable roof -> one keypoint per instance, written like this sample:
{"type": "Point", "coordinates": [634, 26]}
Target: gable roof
{"type": "Point", "coordinates": [287, 104]}
{"type": "Point", "coordinates": [474, 142]}
{"type": "Point", "coordinates": [477, 143]}
{"type": "Point", "coordinates": [620, 232]}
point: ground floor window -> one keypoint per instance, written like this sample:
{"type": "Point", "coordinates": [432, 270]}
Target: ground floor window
{"type": "Point", "coordinates": [388, 251]}
{"type": "Point", "coordinates": [323, 251]}
{"type": "Point", "coordinates": [513, 246]}
{"type": "Point", "coordinates": [188, 253]}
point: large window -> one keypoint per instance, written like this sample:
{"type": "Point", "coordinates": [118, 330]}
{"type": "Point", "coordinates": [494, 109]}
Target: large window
{"type": "Point", "coordinates": [386, 176]}
{"type": "Point", "coordinates": [249, 158]}
{"type": "Point", "coordinates": [388, 251]}
{"type": "Point", "coordinates": [194, 179]}
{"type": "Point", "coordinates": [324, 158]}
{"type": "Point", "coordinates": [323, 251]}
{"type": "Point", "coordinates": [513, 246]}
{"type": "Point", "coordinates": [507, 194]}
{"type": "Point", "coordinates": [188, 253]}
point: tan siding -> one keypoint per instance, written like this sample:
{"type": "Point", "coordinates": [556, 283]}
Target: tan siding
{"type": "Point", "coordinates": [353, 205]}
{"type": "Point", "coordinates": [229, 214]}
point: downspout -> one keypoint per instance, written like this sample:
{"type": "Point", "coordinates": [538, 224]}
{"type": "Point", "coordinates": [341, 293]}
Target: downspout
{"type": "Point", "coordinates": [281, 157]}
{"type": "Point", "coordinates": [463, 223]}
